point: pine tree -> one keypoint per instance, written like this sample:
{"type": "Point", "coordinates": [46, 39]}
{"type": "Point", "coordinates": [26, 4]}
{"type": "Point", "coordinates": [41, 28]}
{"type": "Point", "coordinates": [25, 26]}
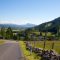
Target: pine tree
{"type": "Point", "coordinates": [3, 32]}
{"type": "Point", "coordinates": [9, 33]}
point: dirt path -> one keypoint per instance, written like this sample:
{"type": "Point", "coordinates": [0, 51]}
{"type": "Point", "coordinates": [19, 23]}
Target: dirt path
{"type": "Point", "coordinates": [10, 51]}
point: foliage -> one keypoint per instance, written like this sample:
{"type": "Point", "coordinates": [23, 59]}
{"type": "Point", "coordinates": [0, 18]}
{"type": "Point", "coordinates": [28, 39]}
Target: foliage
{"type": "Point", "coordinates": [40, 44]}
{"type": "Point", "coordinates": [51, 26]}
{"type": "Point", "coordinates": [2, 42]}
{"type": "Point", "coordinates": [9, 33]}
{"type": "Point", "coordinates": [3, 32]}
{"type": "Point", "coordinates": [27, 53]}
{"type": "Point", "coordinates": [26, 35]}
{"type": "Point", "coordinates": [14, 37]}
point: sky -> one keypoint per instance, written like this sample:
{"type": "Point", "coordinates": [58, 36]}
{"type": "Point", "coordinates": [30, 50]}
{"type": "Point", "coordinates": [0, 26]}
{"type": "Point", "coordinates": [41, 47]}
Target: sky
{"type": "Point", "coordinates": [28, 11]}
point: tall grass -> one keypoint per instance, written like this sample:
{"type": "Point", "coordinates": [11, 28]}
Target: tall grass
{"type": "Point", "coordinates": [40, 44]}
{"type": "Point", "coordinates": [27, 53]}
{"type": "Point", "coordinates": [1, 42]}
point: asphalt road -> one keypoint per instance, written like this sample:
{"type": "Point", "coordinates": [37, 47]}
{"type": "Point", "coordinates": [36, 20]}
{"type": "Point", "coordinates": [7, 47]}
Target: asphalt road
{"type": "Point", "coordinates": [11, 51]}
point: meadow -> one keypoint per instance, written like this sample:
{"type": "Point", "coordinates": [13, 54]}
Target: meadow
{"type": "Point", "coordinates": [1, 42]}
{"type": "Point", "coordinates": [48, 45]}
{"type": "Point", "coordinates": [27, 54]}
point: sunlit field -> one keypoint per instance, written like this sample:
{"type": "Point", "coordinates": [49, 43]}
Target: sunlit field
{"type": "Point", "coordinates": [40, 44]}
{"type": "Point", "coordinates": [27, 53]}
{"type": "Point", "coordinates": [1, 42]}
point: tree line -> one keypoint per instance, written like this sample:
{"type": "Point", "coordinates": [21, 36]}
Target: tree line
{"type": "Point", "coordinates": [28, 34]}
{"type": "Point", "coordinates": [7, 33]}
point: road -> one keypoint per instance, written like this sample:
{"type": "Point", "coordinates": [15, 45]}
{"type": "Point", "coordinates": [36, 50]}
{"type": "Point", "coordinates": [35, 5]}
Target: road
{"type": "Point", "coordinates": [11, 51]}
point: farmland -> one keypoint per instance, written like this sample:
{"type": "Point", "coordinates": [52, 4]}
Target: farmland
{"type": "Point", "coordinates": [40, 44]}
{"type": "Point", "coordinates": [1, 42]}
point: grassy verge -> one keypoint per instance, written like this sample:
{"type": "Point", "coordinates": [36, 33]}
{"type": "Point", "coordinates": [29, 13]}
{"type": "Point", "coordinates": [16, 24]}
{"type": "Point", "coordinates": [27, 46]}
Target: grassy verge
{"type": "Point", "coordinates": [27, 53]}
{"type": "Point", "coordinates": [1, 42]}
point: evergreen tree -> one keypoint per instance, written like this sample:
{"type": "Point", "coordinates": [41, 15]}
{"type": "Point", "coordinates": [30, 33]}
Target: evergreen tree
{"type": "Point", "coordinates": [15, 37]}
{"type": "Point", "coordinates": [9, 33]}
{"type": "Point", "coordinates": [40, 33]}
{"type": "Point", "coordinates": [3, 32]}
{"type": "Point", "coordinates": [26, 36]}
{"type": "Point", "coordinates": [18, 36]}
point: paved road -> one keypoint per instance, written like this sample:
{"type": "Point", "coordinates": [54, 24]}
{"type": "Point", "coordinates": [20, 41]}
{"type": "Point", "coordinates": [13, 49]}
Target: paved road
{"type": "Point", "coordinates": [10, 51]}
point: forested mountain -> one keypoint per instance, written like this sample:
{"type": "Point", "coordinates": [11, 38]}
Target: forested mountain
{"type": "Point", "coordinates": [51, 26]}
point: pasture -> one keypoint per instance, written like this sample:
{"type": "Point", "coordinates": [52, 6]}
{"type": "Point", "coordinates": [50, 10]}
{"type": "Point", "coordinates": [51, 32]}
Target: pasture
{"type": "Point", "coordinates": [1, 42]}
{"type": "Point", "coordinates": [48, 45]}
{"type": "Point", "coordinates": [27, 54]}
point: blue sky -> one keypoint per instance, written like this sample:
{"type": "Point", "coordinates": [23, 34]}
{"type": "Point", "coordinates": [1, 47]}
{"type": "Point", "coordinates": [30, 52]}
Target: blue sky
{"type": "Point", "coordinates": [28, 11]}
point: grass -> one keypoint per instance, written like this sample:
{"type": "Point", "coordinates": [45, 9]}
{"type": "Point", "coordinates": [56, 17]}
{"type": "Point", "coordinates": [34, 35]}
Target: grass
{"type": "Point", "coordinates": [27, 54]}
{"type": "Point", "coordinates": [40, 44]}
{"type": "Point", "coordinates": [1, 42]}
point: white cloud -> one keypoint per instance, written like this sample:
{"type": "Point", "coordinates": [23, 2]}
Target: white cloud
{"type": "Point", "coordinates": [19, 22]}
{"type": "Point", "coordinates": [24, 21]}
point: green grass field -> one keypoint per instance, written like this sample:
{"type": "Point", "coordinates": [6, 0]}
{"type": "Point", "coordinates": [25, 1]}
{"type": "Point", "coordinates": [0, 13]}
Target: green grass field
{"type": "Point", "coordinates": [1, 42]}
{"type": "Point", "coordinates": [48, 46]}
{"type": "Point", "coordinates": [27, 53]}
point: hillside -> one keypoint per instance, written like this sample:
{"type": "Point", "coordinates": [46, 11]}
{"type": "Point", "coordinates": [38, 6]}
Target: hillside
{"type": "Point", "coordinates": [49, 26]}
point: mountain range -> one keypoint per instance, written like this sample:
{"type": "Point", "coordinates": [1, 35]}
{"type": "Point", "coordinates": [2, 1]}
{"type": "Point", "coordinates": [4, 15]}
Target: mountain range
{"type": "Point", "coordinates": [28, 25]}
{"type": "Point", "coordinates": [50, 26]}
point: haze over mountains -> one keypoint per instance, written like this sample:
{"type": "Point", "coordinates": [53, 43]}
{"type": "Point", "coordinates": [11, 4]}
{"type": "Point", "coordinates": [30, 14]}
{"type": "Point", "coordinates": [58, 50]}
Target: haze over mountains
{"type": "Point", "coordinates": [28, 25]}
{"type": "Point", "coordinates": [50, 26]}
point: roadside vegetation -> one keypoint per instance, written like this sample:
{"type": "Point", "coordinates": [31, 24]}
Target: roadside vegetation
{"type": "Point", "coordinates": [27, 54]}
{"type": "Point", "coordinates": [1, 42]}
{"type": "Point", "coordinates": [48, 45]}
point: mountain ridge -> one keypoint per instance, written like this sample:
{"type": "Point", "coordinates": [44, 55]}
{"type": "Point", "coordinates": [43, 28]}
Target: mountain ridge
{"type": "Point", "coordinates": [50, 26]}
{"type": "Point", "coordinates": [28, 25]}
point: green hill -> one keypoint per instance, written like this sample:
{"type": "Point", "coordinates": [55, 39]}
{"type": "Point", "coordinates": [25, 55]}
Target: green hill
{"type": "Point", "coordinates": [51, 26]}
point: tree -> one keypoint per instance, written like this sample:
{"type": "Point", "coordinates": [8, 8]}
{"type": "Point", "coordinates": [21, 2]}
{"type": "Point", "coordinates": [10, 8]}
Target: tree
{"type": "Point", "coordinates": [40, 33]}
{"type": "Point", "coordinates": [3, 32]}
{"type": "Point", "coordinates": [26, 36]}
{"type": "Point", "coordinates": [18, 36]}
{"type": "Point", "coordinates": [15, 37]}
{"type": "Point", "coordinates": [58, 30]}
{"type": "Point", "coordinates": [9, 33]}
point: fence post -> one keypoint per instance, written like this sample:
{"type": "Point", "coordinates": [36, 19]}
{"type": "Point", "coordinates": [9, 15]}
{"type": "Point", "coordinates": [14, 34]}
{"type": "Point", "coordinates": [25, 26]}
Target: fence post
{"type": "Point", "coordinates": [53, 45]}
{"type": "Point", "coordinates": [44, 45]}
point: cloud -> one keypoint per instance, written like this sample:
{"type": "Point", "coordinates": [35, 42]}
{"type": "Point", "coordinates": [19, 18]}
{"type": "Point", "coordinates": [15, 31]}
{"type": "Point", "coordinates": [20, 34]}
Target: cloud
{"type": "Point", "coordinates": [9, 22]}
{"type": "Point", "coordinates": [19, 22]}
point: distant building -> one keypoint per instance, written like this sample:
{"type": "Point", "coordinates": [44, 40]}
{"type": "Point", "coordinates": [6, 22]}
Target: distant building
{"type": "Point", "coordinates": [40, 37]}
